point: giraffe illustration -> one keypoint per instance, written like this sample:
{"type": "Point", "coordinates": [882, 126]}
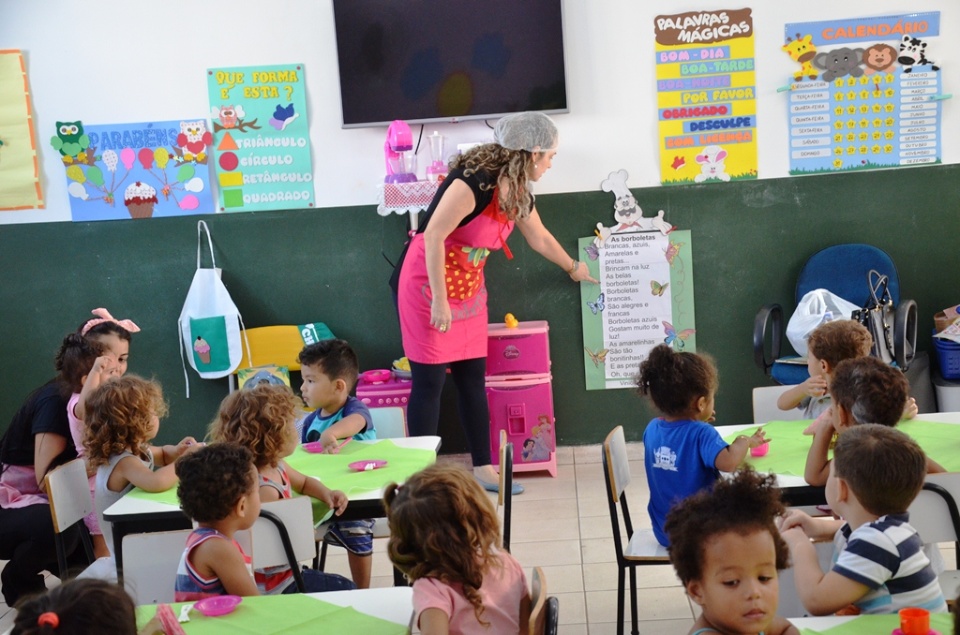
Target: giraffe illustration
{"type": "Point", "coordinates": [803, 51]}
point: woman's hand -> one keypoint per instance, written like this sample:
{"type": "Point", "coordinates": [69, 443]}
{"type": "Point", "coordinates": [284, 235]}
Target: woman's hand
{"type": "Point", "coordinates": [440, 315]}
{"type": "Point", "coordinates": [581, 273]}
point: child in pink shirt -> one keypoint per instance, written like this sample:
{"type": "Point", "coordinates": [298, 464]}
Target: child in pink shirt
{"type": "Point", "coordinates": [444, 535]}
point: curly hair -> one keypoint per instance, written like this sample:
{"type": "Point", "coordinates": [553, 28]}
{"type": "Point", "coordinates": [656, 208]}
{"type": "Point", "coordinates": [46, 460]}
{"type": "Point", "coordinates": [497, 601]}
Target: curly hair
{"type": "Point", "coordinates": [257, 418]}
{"type": "Point", "coordinates": [870, 390]}
{"type": "Point", "coordinates": [334, 357]}
{"type": "Point", "coordinates": [213, 479]}
{"type": "Point", "coordinates": [74, 360]}
{"type": "Point", "coordinates": [83, 607]}
{"type": "Point", "coordinates": [746, 503]}
{"type": "Point", "coordinates": [512, 166]}
{"type": "Point", "coordinates": [838, 340]}
{"type": "Point", "coordinates": [119, 417]}
{"type": "Point", "coordinates": [882, 466]}
{"type": "Point", "coordinates": [106, 328]}
{"type": "Point", "coordinates": [443, 526]}
{"type": "Point", "coordinates": [673, 380]}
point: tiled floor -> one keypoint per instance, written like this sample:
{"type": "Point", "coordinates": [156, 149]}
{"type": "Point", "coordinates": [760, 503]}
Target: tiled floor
{"type": "Point", "coordinates": [563, 525]}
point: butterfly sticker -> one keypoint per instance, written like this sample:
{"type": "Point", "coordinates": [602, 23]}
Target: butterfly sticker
{"type": "Point", "coordinates": [593, 252]}
{"type": "Point", "coordinates": [676, 339]}
{"type": "Point", "coordinates": [599, 357]}
{"type": "Point", "coordinates": [671, 251]}
{"type": "Point", "coordinates": [597, 306]}
{"type": "Point", "coordinates": [657, 288]}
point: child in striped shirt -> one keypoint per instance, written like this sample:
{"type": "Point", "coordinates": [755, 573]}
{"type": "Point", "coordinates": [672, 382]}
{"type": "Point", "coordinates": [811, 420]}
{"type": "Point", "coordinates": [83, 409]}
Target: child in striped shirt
{"type": "Point", "coordinates": [879, 564]}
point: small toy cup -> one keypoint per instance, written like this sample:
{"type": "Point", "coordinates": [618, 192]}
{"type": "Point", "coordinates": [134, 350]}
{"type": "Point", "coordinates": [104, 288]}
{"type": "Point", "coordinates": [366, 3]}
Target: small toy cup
{"type": "Point", "coordinates": [760, 450]}
{"type": "Point", "coordinates": [914, 621]}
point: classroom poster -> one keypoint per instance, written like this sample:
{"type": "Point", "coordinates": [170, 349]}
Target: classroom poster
{"type": "Point", "coordinates": [261, 138]}
{"type": "Point", "coordinates": [645, 298]}
{"type": "Point", "coordinates": [706, 96]}
{"type": "Point", "coordinates": [135, 170]}
{"type": "Point", "coordinates": [19, 168]}
{"type": "Point", "coordinates": [866, 93]}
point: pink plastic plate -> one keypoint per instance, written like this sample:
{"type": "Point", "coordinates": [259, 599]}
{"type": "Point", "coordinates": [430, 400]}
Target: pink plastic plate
{"type": "Point", "coordinates": [219, 605]}
{"type": "Point", "coordinates": [366, 466]}
{"type": "Point", "coordinates": [897, 631]}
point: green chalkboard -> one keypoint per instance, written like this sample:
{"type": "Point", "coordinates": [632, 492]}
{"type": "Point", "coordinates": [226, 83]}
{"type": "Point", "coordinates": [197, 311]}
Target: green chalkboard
{"type": "Point", "coordinates": [328, 266]}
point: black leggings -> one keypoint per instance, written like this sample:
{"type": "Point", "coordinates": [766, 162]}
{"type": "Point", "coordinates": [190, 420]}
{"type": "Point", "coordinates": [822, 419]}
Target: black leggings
{"type": "Point", "coordinates": [423, 410]}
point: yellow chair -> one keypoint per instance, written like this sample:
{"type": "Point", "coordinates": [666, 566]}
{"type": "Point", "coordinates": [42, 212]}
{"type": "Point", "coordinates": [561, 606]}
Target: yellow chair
{"type": "Point", "coordinates": [279, 345]}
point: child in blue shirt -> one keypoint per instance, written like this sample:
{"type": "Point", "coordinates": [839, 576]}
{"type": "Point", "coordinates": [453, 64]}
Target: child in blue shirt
{"type": "Point", "coordinates": [330, 369]}
{"type": "Point", "coordinates": [682, 453]}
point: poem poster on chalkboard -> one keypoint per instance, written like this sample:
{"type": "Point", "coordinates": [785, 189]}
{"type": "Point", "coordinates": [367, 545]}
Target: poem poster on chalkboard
{"type": "Point", "coordinates": [645, 298]}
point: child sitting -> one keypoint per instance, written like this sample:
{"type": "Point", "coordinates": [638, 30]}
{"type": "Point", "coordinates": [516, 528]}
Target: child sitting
{"type": "Point", "coordinates": [329, 370]}
{"type": "Point", "coordinates": [78, 607]}
{"type": "Point", "coordinates": [263, 420]}
{"type": "Point", "coordinates": [122, 416]}
{"type": "Point", "coordinates": [828, 345]}
{"type": "Point", "coordinates": [219, 490]}
{"type": "Point", "coordinates": [683, 453]}
{"type": "Point", "coordinates": [727, 552]}
{"type": "Point", "coordinates": [879, 564]}
{"type": "Point", "coordinates": [444, 534]}
{"type": "Point", "coordinates": [863, 390]}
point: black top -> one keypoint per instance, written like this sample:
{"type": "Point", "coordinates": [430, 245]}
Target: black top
{"type": "Point", "coordinates": [483, 195]}
{"type": "Point", "coordinates": [45, 410]}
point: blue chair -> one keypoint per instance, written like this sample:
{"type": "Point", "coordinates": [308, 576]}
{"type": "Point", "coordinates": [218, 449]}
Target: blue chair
{"type": "Point", "coordinates": [842, 270]}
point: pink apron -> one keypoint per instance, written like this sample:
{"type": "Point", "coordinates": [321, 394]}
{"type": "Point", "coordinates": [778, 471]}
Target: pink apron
{"type": "Point", "coordinates": [466, 251]}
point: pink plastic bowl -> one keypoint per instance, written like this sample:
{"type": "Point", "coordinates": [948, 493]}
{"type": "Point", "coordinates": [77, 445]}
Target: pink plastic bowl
{"type": "Point", "coordinates": [760, 450]}
{"type": "Point", "coordinates": [219, 605]}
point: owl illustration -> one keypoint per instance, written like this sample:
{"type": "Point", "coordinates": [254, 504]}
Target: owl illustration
{"type": "Point", "coordinates": [194, 139]}
{"type": "Point", "coordinates": [70, 141]}
{"type": "Point", "coordinates": [229, 116]}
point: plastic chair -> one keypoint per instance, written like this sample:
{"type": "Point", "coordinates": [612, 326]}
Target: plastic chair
{"type": "Point", "coordinates": [278, 345]}
{"type": "Point", "coordinates": [69, 492]}
{"type": "Point", "coordinates": [642, 548]}
{"type": "Point", "coordinates": [935, 516]}
{"type": "Point", "coordinates": [842, 270]}
{"type": "Point", "coordinates": [505, 495]}
{"type": "Point", "coordinates": [150, 564]}
{"type": "Point", "coordinates": [765, 405]}
{"type": "Point", "coordinates": [283, 534]}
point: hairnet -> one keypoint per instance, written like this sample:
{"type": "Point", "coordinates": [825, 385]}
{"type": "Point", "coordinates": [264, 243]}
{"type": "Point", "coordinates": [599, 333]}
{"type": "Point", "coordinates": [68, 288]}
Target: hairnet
{"type": "Point", "coordinates": [528, 131]}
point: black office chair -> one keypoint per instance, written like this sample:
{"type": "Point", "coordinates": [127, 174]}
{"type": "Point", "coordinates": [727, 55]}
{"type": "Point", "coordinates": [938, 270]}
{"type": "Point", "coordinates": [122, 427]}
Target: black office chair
{"type": "Point", "coordinates": [843, 270]}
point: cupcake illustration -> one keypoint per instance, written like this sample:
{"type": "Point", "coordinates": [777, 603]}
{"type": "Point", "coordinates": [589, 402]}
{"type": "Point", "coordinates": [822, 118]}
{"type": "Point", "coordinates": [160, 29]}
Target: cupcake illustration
{"type": "Point", "coordinates": [202, 349]}
{"type": "Point", "coordinates": [140, 199]}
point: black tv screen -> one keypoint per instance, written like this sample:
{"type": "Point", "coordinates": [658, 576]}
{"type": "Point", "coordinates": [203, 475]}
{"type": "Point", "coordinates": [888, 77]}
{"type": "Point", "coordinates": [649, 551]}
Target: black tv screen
{"type": "Point", "coordinates": [448, 60]}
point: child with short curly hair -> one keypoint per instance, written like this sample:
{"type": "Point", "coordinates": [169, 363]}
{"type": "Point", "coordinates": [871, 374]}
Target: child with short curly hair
{"type": "Point", "coordinates": [263, 420]}
{"type": "Point", "coordinates": [122, 417]}
{"type": "Point", "coordinates": [444, 535]}
{"type": "Point", "coordinates": [219, 491]}
{"type": "Point", "coordinates": [683, 454]}
{"type": "Point", "coordinates": [727, 551]}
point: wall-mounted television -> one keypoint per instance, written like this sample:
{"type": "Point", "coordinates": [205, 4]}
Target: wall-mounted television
{"type": "Point", "coordinates": [448, 60]}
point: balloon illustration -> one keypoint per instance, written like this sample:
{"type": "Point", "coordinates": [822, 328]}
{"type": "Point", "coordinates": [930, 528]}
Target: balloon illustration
{"type": "Point", "coordinates": [146, 158]}
{"type": "Point", "coordinates": [194, 185]}
{"type": "Point", "coordinates": [78, 191]}
{"type": "Point", "coordinates": [189, 202]}
{"type": "Point", "coordinates": [74, 173]}
{"type": "Point", "coordinates": [94, 175]}
{"type": "Point", "coordinates": [127, 156]}
{"type": "Point", "coordinates": [110, 160]}
{"type": "Point", "coordinates": [162, 156]}
{"type": "Point", "coordinates": [185, 173]}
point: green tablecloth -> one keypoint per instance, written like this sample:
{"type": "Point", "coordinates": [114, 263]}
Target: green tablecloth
{"type": "Point", "coordinates": [333, 472]}
{"type": "Point", "coordinates": [277, 614]}
{"type": "Point", "coordinates": [789, 447]}
{"type": "Point", "coordinates": [881, 625]}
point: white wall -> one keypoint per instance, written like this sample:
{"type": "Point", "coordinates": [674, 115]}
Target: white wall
{"type": "Point", "coordinates": [113, 61]}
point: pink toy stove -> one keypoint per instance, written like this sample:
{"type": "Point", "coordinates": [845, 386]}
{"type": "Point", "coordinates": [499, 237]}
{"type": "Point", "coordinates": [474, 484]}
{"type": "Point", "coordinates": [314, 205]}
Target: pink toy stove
{"type": "Point", "coordinates": [382, 389]}
{"type": "Point", "coordinates": [520, 395]}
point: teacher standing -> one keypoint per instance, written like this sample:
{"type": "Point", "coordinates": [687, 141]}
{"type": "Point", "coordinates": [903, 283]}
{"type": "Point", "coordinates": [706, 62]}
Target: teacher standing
{"type": "Point", "coordinates": [441, 290]}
